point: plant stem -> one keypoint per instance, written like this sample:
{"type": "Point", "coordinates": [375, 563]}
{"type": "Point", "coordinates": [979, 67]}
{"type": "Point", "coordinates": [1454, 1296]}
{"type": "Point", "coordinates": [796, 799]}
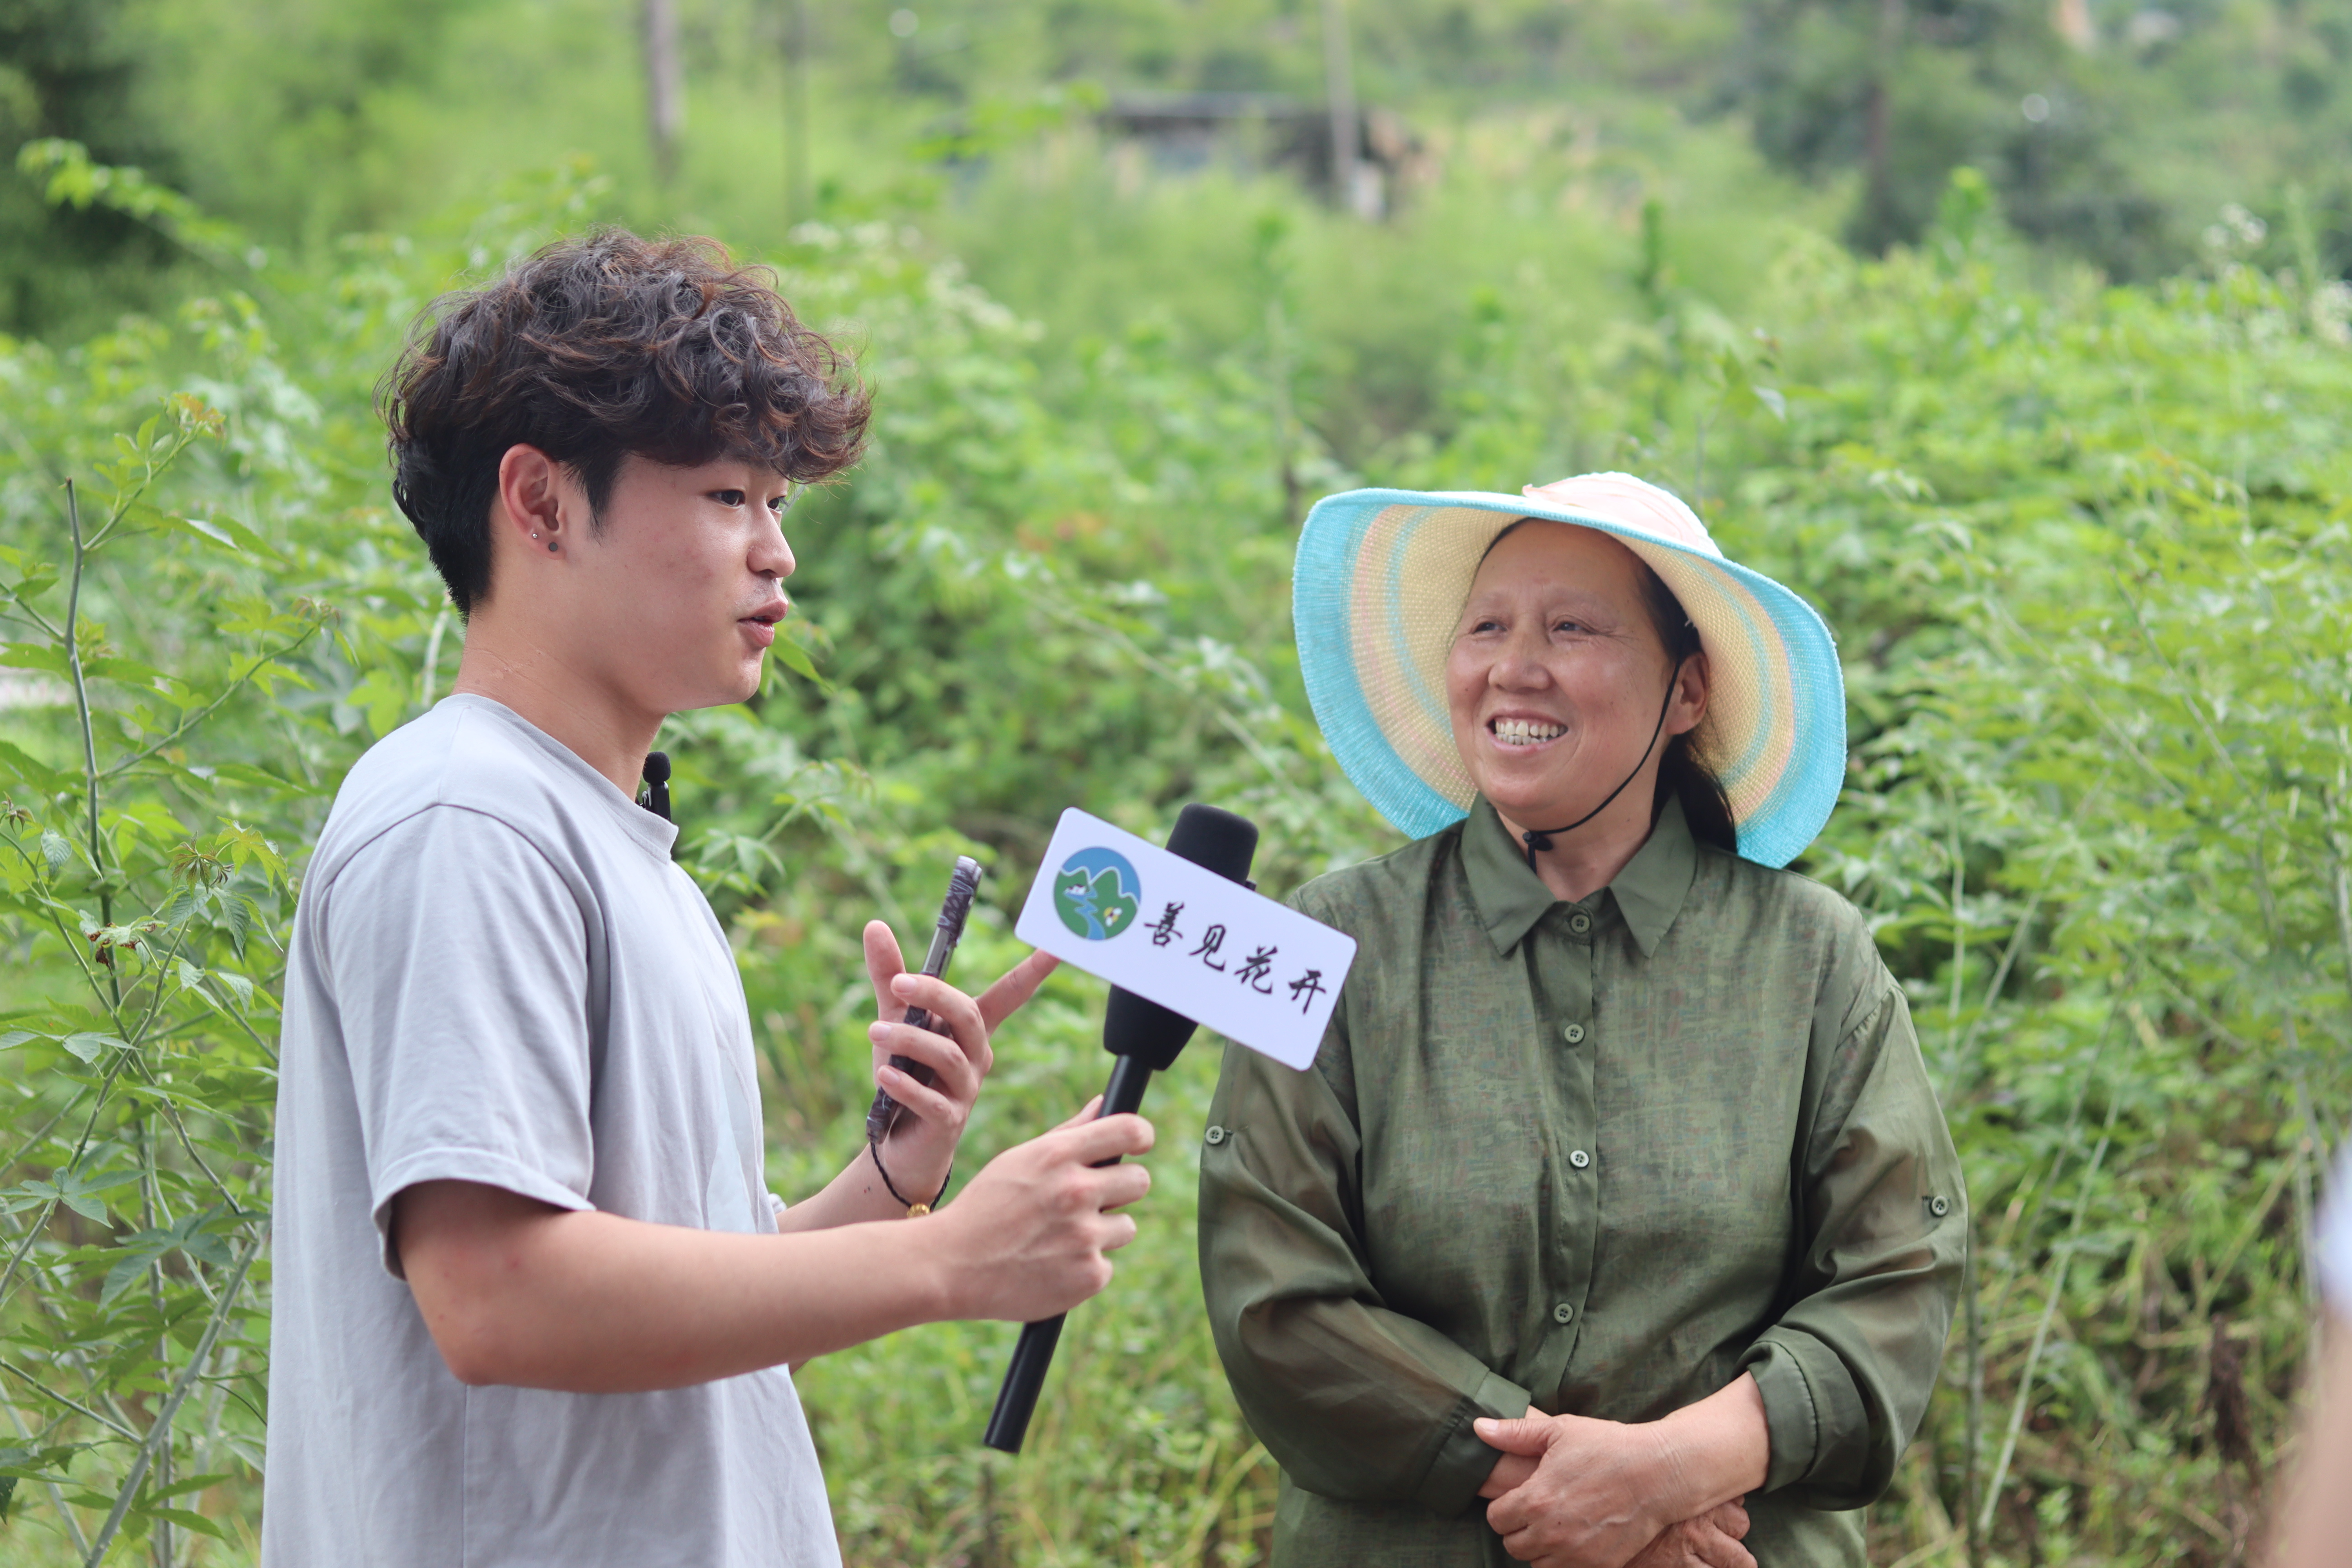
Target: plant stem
{"type": "Point", "coordinates": [159, 1431]}
{"type": "Point", "coordinates": [89, 734]}
{"type": "Point", "coordinates": [81, 1145]}
{"type": "Point", "coordinates": [56, 1498]}
{"type": "Point", "coordinates": [125, 499]}
{"type": "Point", "coordinates": [1959, 931]}
{"type": "Point", "coordinates": [1972, 1454]}
{"type": "Point", "coordinates": [181, 730]}
{"type": "Point", "coordinates": [2061, 1266]}
{"type": "Point", "coordinates": [159, 1542]}
{"type": "Point", "coordinates": [54, 1397]}
{"type": "Point", "coordinates": [82, 705]}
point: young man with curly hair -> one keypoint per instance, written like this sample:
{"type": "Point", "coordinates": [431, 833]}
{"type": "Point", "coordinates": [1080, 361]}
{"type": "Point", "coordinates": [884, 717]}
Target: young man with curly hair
{"type": "Point", "coordinates": [534, 1302]}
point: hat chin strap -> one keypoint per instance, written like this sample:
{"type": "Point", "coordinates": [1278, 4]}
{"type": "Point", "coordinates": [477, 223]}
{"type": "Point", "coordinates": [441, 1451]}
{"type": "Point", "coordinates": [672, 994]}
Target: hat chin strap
{"type": "Point", "coordinates": [1538, 839]}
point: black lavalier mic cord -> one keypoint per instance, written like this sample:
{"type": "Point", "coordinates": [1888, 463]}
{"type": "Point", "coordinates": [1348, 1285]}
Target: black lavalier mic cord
{"type": "Point", "coordinates": [1539, 839]}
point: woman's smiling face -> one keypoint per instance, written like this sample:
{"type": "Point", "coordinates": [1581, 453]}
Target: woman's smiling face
{"type": "Point", "coordinates": [1556, 676]}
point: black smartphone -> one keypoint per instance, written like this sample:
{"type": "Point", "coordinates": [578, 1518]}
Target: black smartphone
{"type": "Point", "coordinates": [954, 909]}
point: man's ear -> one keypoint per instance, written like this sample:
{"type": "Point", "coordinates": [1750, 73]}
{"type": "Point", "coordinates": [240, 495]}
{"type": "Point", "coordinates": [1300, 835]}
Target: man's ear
{"type": "Point", "coordinates": [528, 508]}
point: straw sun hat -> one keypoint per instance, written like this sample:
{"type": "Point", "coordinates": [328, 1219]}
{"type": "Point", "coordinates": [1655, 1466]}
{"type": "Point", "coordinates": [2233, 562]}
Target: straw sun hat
{"type": "Point", "coordinates": [1380, 581]}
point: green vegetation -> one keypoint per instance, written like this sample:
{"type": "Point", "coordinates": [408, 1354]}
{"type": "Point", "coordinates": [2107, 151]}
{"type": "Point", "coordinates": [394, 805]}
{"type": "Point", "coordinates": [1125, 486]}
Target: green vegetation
{"type": "Point", "coordinates": [2088, 548]}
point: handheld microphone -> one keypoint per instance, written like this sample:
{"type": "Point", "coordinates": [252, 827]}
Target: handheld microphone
{"type": "Point", "coordinates": [1145, 1039]}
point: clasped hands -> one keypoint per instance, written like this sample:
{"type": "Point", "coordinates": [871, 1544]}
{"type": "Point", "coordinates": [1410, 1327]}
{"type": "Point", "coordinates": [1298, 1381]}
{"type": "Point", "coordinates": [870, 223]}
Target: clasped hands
{"type": "Point", "coordinates": [1571, 1491]}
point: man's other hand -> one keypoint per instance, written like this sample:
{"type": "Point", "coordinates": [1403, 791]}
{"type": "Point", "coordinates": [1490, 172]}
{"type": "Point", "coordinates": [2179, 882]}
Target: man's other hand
{"type": "Point", "coordinates": [923, 1143]}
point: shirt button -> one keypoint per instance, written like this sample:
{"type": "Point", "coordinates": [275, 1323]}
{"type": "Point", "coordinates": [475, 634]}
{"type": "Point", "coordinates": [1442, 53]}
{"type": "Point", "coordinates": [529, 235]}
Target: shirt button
{"type": "Point", "coordinates": [1580, 923]}
{"type": "Point", "coordinates": [1573, 1034]}
{"type": "Point", "coordinates": [1215, 1135]}
{"type": "Point", "coordinates": [1579, 1159]}
{"type": "Point", "coordinates": [1939, 1207]}
{"type": "Point", "coordinates": [1564, 1313]}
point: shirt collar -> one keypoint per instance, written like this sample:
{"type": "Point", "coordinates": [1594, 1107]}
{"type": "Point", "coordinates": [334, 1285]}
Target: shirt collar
{"type": "Point", "coordinates": [1511, 898]}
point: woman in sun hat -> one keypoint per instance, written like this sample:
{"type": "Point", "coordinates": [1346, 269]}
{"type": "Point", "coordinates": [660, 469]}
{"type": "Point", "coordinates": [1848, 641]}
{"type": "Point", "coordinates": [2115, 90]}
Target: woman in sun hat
{"type": "Point", "coordinates": [1617, 1195]}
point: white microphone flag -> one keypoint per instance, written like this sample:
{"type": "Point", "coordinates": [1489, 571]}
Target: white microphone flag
{"type": "Point", "coordinates": [1179, 934]}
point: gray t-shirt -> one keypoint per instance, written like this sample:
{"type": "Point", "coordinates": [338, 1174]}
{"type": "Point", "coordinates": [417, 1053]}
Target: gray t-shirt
{"type": "Point", "coordinates": [499, 977]}
{"type": "Point", "coordinates": [2335, 1239]}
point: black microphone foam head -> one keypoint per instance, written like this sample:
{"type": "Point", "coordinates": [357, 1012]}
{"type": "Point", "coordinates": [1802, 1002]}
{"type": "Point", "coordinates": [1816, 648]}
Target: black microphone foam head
{"type": "Point", "coordinates": [1151, 1034]}
{"type": "Point", "coordinates": [1210, 837]}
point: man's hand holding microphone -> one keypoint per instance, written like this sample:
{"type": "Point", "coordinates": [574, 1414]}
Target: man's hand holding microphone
{"type": "Point", "coordinates": [1032, 1235]}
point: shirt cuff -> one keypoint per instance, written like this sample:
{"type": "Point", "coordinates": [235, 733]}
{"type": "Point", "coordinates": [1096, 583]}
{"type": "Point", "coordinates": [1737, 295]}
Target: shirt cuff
{"type": "Point", "coordinates": [477, 1166]}
{"type": "Point", "coordinates": [1463, 1460]}
{"type": "Point", "coordinates": [1812, 1411]}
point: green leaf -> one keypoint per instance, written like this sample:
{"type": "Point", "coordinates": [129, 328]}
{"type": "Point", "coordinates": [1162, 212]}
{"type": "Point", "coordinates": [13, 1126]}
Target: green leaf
{"type": "Point", "coordinates": [56, 851]}
{"type": "Point", "coordinates": [15, 764]}
{"type": "Point", "coordinates": [195, 1234]}
{"type": "Point", "coordinates": [202, 529]}
{"type": "Point", "coordinates": [260, 777]}
{"type": "Point", "coordinates": [77, 1192]}
{"type": "Point", "coordinates": [131, 672]}
{"type": "Point", "coordinates": [192, 1484]}
{"type": "Point", "coordinates": [237, 915]}
{"type": "Point", "coordinates": [47, 657]}
{"type": "Point", "coordinates": [123, 1276]}
{"type": "Point", "coordinates": [793, 650]}
{"type": "Point", "coordinates": [21, 1462]}
{"type": "Point", "coordinates": [89, 1047]}
{"type": "Point", "coordinates": [239, 989]}
{"type": "Point", "coordinates": [186, 1521]}
{"type": "Point", "coordinates": [384, 696]}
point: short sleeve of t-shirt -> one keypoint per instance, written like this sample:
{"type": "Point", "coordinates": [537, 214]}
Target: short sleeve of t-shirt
{"type": "Point", "coordinates": [463, 1018]}
{"type": "Point", "coordinates": [2335, 1239]}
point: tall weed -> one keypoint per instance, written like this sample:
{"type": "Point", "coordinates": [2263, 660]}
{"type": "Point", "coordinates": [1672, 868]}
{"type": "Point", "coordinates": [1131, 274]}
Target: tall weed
{"type": "Point", "coordinates": [2085, 549]}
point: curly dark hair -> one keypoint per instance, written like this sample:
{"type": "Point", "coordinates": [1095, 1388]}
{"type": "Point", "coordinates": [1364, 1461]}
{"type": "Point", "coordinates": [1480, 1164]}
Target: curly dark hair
{"type": "Point", "coordinates": [591, 351]}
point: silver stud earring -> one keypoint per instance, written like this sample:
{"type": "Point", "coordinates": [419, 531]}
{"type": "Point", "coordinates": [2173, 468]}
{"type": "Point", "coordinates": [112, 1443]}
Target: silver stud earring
{"type": "Point", "coordinates": [551, 547]}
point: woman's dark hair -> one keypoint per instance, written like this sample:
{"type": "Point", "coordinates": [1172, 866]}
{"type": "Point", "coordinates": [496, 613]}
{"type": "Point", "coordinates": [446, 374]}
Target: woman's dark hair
{"type": "Point", "coordinates": [591, 351]}
{"type": "Point", "coordinates": [1683, 774]}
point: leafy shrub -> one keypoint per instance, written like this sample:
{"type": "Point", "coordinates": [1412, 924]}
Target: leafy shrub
{"type": "Point", "coordinates": [2086, 548]}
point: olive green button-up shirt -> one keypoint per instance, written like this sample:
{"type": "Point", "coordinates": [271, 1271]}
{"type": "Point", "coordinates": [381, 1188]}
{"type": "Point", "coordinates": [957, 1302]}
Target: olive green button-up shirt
{"type": "Point", "coordinates": [1598, 1158]}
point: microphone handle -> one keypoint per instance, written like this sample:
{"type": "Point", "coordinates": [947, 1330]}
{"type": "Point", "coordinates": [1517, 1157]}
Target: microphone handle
{"type": "Point", "coordinates": [1024, 1380]}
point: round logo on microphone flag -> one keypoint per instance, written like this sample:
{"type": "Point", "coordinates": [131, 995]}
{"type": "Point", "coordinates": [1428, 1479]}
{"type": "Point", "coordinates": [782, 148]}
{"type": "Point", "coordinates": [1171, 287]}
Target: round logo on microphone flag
{"type": "Point", "coordinates": [1097, 893]}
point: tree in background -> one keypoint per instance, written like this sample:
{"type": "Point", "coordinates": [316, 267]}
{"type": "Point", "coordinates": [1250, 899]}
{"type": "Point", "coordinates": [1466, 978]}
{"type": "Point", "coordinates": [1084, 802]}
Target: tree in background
{"type": "Point", "coordinates": [2112, 130]}
{"type": "Point", "coordinates": [70, 69]}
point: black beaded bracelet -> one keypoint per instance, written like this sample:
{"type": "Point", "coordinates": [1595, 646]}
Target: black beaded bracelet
{"type": "Point", "coordinates": [914, 1210]}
